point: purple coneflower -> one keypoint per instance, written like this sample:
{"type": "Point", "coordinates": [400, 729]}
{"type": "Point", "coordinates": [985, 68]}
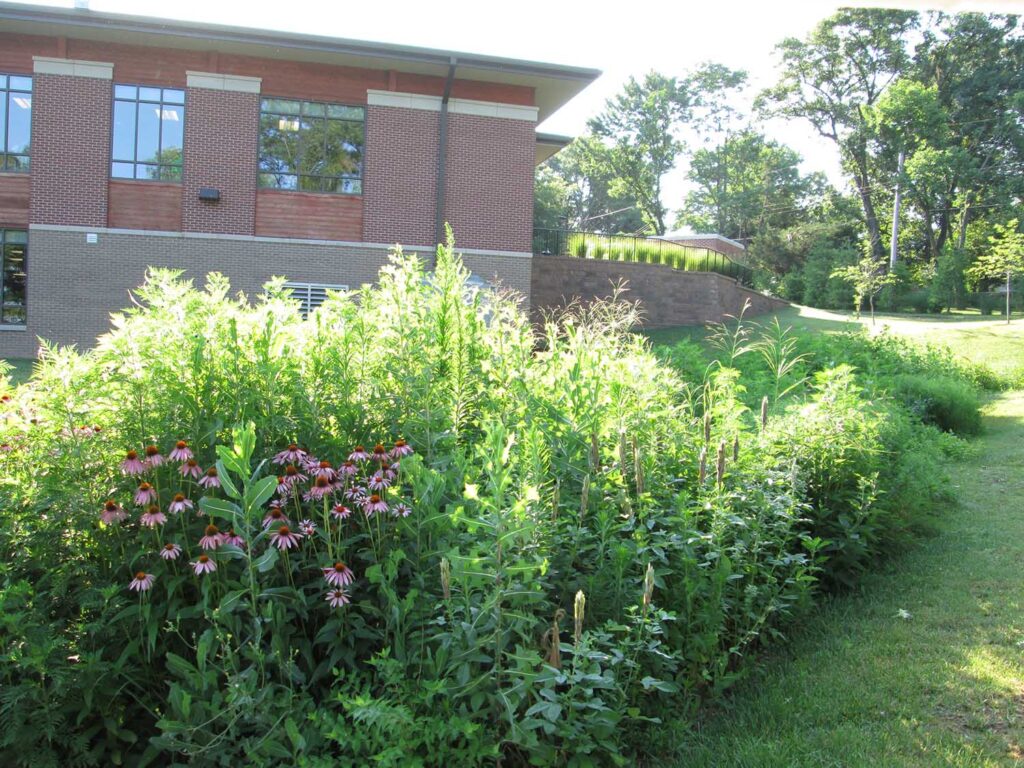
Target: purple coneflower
{"type": "Point", "coordinates": [293, 475]}
{"type": "Point", "coordinates": [401, 449]}
{"type": "Point", "coordinates": [145, 494]}
{"type": "Point", "coordinates": [401, 510]}
{"type": "Point", "coordinates": [378, 481]}
{"type": "Point", "coordinates": [336, 598]}
{"type": "Point", "coordinates": [191, 469]}
{"type": "Point", "coordinates": [321, 487]}
{"type": "Point", "coordinates": [179, 504]}
{"type": "Point", "coordinates": [307, 527]}
{"type": "Point", "coordinates": [203, 564]}
{"type": "Point", "coordinates": [355, 494]}
{"type": "Point", "coordinates": [153, 516]}
{"type": "Point", "coordinates": [170, 551]}
{"type": "Point", "coordinates": [275, 515]}
{"type": "Point", "coordinates": [359, 454]}
{"type": "Point", "coordinates": [290, 455]}
{"type": "Point", "coordinates": [233, 538]}
{"type": "Point", "coordinates": [348, 468]}
{"type": "Point", "coordinates": [285, 538]}
{"type": "Point", "coordinates": [374, 504]}
{"type": "Point", "coordinates": [112, 512]}
{"type": "Point", "coordinates": [142, 581]}
{"type": "Point", "coordinates": [390, 470]}
{"type": "Point", "coordinates": [311, 464]}
{"type": "Point", "coordinates": [211, 538]}
{"type": "Point", "coordinates": [324, 469]}
{"type": "Point", "coordinates": [340, 511]}
{"type": "Point", "coordinates": [153, 457]}
{"type": "Point", "coordinates": [210, 479]}
{"type": "Point", "coordinates": [380, 453]}
{"type": "Point", "coordinates": [180, 452]}
{"type": "Point", "coordinates": [132, 465]}
{"type": "Point", "coordinates": [338, 575]}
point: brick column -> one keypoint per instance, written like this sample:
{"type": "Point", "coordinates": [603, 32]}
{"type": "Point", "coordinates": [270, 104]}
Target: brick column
{"type": "Point", "coordinates": [71, 114]}
{"type": "Point", "coordinates": [221, 145]}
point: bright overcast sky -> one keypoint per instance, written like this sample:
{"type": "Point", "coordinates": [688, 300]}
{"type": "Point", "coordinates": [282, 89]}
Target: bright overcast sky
{"type": "Point", "coordinates": [621, 39]}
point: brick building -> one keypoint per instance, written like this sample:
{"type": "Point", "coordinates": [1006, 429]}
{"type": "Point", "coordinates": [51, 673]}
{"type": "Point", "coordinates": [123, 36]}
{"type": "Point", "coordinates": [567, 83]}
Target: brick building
{"type": "Point", "coordinates": [129, 142]}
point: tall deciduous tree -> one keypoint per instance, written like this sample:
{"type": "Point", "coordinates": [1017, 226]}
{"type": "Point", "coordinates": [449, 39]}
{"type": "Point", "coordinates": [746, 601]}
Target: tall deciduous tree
{"type": "Point", "coordinates": [1004, 260]}
{"type": "Point", "coordinates": [834, 77]}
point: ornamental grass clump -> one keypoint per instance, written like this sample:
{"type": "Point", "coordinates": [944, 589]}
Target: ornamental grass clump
{"type": "Point", "coordinates": [234, 534]}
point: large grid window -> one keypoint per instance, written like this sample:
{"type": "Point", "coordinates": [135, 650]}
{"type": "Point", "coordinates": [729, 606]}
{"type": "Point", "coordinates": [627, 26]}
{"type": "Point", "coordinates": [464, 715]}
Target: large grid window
{"type": "Point", "coordinates": [14, 250]}
{"type": "Point", "coordinates": [149, 128]}
{"type": "Point", "coordinates": [311, 147]}
{"type": "Point", "coordinates": [15, 121]}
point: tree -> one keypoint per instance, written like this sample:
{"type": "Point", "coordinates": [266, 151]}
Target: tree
{"type": "Point", "coordinates": [639, 129]}
{"type": "Point", "coordinates": [1005, 259]}
{"type": "Point", "coordinates": [834, 77]}
{"type": "Point", "coordinates": [867, 277]}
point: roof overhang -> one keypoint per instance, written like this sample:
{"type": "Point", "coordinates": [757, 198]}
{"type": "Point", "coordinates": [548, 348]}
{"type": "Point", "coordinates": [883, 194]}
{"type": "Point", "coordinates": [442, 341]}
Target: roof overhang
{"type": "Point", "coordinates": [549, 145]}
{"type": "Point", "coordinates": [553, 84]}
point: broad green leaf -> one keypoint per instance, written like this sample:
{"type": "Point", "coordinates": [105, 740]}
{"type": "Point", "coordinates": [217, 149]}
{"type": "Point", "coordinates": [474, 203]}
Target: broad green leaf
{"type": "Point", "coordinates": [219, 508]}
{"type": "Point", "coordinates": [226, 482]}
{"type": "Point", "coordinates": [258, 493]}
{"type": "Point", "coordinates": [267, 560]}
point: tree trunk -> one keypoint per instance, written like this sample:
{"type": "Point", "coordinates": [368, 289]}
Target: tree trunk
{"type": "Point", "coordinates": [894, 242]}
{"type": "Point", "coordinates": [871, 303]}
{"type": "Point", "coordinates": [1007, 297]}
{"type": "Point", "coordinates": [870, 217]}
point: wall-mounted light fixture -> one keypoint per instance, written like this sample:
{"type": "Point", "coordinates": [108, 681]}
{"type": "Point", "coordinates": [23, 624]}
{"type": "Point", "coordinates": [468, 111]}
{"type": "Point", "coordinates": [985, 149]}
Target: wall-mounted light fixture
{"type": "Point", "coordinates": [209, 194]}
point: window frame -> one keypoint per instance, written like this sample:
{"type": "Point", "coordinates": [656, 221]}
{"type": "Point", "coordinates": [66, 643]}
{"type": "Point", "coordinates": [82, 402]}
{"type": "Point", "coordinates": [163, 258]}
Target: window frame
{"type": "Point", "coordinates": [162, 104]}
{"type": "Point", "coordinates": [4, 231]}
{"type": "Point", "coordinates": [5, 129]}
{"type": "Point", "coordinates": [264, 97]}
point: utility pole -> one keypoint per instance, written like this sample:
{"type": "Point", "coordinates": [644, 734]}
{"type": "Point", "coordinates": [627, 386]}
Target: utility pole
{"type": "Point", "coordinates": [896, 214]}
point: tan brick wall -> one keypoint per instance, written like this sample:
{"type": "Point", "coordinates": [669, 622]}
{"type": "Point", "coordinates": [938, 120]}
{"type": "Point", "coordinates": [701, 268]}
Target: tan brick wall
{"type": "Point", "coordinates": [668, 296]}
{"type": "Point", "coordinates": [221, 140]}
{"type": "Point", "coordinates": [73, 286]}
{"type": "Point", "coordinates": [70, 149]}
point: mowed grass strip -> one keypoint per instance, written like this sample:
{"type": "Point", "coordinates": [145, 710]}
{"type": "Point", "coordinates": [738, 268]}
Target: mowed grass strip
{"type": "Point", "coordinates": [924, 666]}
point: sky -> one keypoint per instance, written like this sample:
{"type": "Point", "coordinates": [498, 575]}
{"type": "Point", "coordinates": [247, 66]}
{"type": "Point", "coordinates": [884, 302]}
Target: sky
{"type": "Point", "coordinates": [621, 39]}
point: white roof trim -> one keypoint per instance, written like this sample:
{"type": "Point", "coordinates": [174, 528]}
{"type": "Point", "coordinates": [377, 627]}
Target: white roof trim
{"type": "Point", "coordinates": [45, 65]}
{"type": "Point", "coordinates": [375, 98]}
{"type": "Point", "coordinates": [218, 82]}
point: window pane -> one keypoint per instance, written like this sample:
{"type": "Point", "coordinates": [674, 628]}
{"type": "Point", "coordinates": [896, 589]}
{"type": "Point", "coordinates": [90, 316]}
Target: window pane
{"type": "Point", "coordinates": [173, 119]}
{"type": "Point", "coordinates": [126, 92]}
{"type": "Point", "coordinates": [310, 184]}
{"type": "Point", "coordinates": [151, 172]}
{"type": "Point", "coordinates": [344, 148]}
{"type": "Point", "coordinates": [172, 96]}
{"type": "Point", "coordinates": [148, 141]}
{"type": "Point", "coordinates": [3, 121]}
{"type": "Point", "coordinates": [279, 144]}
{"type": "Point", "coordinates": [19, 122]}
{"type": "Point", "coordinates": [124, 130]}
{"type": "Point", "coordinates": [16, 236]}
{"type": "Point", "coordinates": [278, 181]}
{"type": "Point", "coordinates": [313, 110]}
{"type": "Point", "coordinates": [3, 81]}
{"type": "Point", "coordinates": [149, 94]}
{"type": "Point", "coordinates": [122, 170]}
{"type": "Point", "coordinates": [284, 106]}
{"type": "Point", "coordinates": [20, 83]}
{"type": "Point", "coordinates": [14, 278]}
{"type": "Point", "coordinates": [345, 113]}
{"type": "Point", "coordinates": [170, 173]}
{"type": "Point", "coordinates": [346, 186]}
{"type": "Point", "coordinates": [17, 163]}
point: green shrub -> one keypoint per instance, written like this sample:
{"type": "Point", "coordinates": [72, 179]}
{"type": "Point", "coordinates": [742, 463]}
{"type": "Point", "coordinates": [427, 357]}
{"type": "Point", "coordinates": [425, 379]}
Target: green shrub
{"type": "Point", "coordinates": [949, 404]}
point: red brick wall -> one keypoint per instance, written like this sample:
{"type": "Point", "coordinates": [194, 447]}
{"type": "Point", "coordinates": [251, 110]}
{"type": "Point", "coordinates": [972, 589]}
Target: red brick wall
{"type": "Point", "coordinates": [400, 176]}
{"type": "Point", "coordinates": [70, 150]}
{"type": "Point", "coordinates": [220, 152]}
{"type": "Point", "coordinates": [14, 197]}
{"type": "Point", "coordinates": [489, 184]}
{"type": "Point", "coordinates": [144, 205]}
{"type": "Point", "coordinates": [316, 217]}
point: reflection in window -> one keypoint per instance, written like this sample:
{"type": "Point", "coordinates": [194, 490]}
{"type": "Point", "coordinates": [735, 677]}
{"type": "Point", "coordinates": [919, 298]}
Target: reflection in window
{"type": "Point", "coordinates": [311, 147]}
{"type": "Point", "coordinates": [13, 249]}
{"type": "Point", "coordinates": [149, 125]}
{"type": "Point", "coordinates": [15, 121]}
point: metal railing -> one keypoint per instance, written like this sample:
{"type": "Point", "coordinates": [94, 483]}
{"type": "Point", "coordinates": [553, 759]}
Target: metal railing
{"type": "Point", "coordinates": [643, 250]}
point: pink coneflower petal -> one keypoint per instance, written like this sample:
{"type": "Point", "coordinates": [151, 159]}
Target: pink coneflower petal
{"type": "Point", "coordinates": [145, 494]}
{"type": "Point", "coordinates": [336, 598]}
{"type": "Point", "coordinates": [359, 454]}
{"type": "Point", "coordinates": [211, 538]}
{"type": "Point", "coordinates": [340, 511]}
{"type": "Point", "coordinates": [401, 449]}
{"type": "Point", "coordinates": [132, 465]}
{"type": "Point", "coordinates": [285, 538]}
{"type": "Point", "coordinates": [348, 468]}
{"type": "Point", "coordinates": [275, 515]}
{"type": "Point", "coordinates": [203, 564]}
{"type": "Point", "coordinates": [153, 457]}
{"type": "Point", "coordinates": [170, 551]}
{"type": "Point", "coordinates": [290, 455]}
{"type": "Point", "coordinates": [210, 479]}
{"type": "Point", "coordinates": [321, 487]}
{"type": "Point", "coordinates": [355, 494]}
{"type": "Point", "coordinates": [338, 575]}
{"type": "Point", "coordinates": [310, 464]}
{"type": "Point", "coordinates": [378, 481]}
{"type": "Point", "coordinates": [307, 527]}
{"type": "Point", "coordinates": [142, 582]}
{"type": "Point", "coordinates": [233, 539]}
{"type": "Point", "coordinates": [179, 504]}
{"type": "Point", "coordinates": [293, 475]}
{"type": "Point", "coordinates": [180, 452]}
{"type": "Point", "coordinates": [112, 512]}
{"type": "Point", "coordinates": [374, 505]}
{"type": "Point", "coordinates": [152, 517]}
{"type": "Point", "coordinates": [191, 469]}
{"type": "Point", "coordinates": [401, 510]}
{"type": "Point", "coordinates": [324, 469]}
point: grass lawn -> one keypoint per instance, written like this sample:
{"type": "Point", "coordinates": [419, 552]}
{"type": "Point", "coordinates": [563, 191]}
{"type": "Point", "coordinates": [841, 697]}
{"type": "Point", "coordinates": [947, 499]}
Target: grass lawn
{"type": "Point", "coordinates": [986, 340]}
{"type": "Point", "coordinates": [865, 684]}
